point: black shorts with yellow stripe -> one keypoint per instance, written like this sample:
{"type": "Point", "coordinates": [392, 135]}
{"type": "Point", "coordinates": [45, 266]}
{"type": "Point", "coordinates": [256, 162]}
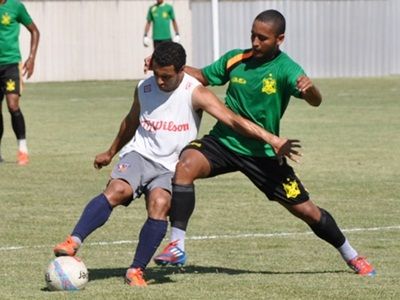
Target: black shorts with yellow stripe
{"type": "Point", "coordinates": [277, 181]}
{"type": "Point", "coordinates": [10, 80]}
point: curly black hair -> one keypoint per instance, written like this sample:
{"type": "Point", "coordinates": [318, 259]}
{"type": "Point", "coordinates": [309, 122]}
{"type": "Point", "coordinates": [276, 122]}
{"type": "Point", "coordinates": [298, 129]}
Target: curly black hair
{"type": "Point", "coordinates": [169, 53]}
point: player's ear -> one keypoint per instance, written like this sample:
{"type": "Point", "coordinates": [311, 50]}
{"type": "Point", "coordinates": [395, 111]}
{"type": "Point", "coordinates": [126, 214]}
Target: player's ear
{"type": "Point", "coordinates": [280, 39]}
{"type": "Point", "coordinates": [182, 69]}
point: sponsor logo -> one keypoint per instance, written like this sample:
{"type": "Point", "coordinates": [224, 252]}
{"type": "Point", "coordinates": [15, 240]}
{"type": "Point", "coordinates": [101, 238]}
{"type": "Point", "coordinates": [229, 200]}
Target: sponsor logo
{"type": "Point", "coordinates": [147, 88]}
{"type": "Point", "coordinates": [164, 125]}
{"type": "Point", "coordinates": [238, 80]}
{"type": "Point", "coordinates": [188, 85]}
{"type": "Point", "coordinates": [195, 144]}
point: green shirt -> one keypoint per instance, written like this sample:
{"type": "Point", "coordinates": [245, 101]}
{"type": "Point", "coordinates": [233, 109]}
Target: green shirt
{"type": "Point", "coordinates": [12, 13]}
{"type": "Point", "coordinates": [161, 16]}
{"type": "Point", "coordinates": [257, 90]}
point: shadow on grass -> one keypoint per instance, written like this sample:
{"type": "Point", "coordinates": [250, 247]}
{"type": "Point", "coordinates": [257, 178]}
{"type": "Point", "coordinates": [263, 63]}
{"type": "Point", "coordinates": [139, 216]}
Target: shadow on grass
{"type": "Point", "coordinates": [162, 274]}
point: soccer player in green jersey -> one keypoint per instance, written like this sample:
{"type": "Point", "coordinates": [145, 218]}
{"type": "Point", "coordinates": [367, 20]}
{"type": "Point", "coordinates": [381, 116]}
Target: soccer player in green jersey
{"type": "Point", "coordinates": [12, 14]}
{"type": "Point", "coordinates": [160, 14]}
{"type": "Point", "coordinates": [261, 81]}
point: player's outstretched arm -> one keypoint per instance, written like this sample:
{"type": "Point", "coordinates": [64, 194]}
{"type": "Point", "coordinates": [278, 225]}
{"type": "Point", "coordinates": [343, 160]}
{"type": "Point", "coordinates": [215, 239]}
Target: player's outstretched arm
{"type": "Point", "coordinates": [309, 91]}
{"type": "Point", "coordinates": [204, 99]}
{"type": "Point", "coordinates": [126, 132]}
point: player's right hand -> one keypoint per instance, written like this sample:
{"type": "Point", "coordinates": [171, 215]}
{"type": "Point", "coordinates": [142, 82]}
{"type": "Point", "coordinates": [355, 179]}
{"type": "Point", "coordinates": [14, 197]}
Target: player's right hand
{"type": "Point", "coordinates": [287, 148]}
{"type": "Point", "coordinates": [146, 41]}
{"type": "Point", "coordinates": [102, 160]}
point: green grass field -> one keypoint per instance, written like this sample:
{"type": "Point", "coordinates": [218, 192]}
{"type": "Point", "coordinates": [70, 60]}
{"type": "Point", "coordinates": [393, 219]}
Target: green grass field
{"type": "Point", "coordinates": [240, 245]}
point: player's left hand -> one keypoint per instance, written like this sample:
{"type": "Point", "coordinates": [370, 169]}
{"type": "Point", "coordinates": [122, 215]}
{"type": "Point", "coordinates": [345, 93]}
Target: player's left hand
{"type": "Point", "coordinates": [287, 148]}
{"type": "Point", "coordinates": [304, 83]}
{"type": "Point", "coordinates": [28, 67]}
{"type": "Point", "coordinates": [176, 38]}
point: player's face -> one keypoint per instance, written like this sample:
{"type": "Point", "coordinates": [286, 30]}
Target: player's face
{"type": "Point", "coordinates": [167, 78]}
{"type": "Point", "coordinates": [265, 42]}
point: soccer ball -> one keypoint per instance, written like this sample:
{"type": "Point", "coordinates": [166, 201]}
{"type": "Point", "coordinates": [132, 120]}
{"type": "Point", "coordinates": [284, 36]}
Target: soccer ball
{"type": "Point", "coordinates": [66, 273]}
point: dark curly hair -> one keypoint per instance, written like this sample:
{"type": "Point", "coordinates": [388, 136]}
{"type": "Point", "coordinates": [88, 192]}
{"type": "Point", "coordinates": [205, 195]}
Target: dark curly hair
{"type": "Point", "coordinates": [274, 17]}
{"type": "Point", "coordinates": [169, 53]}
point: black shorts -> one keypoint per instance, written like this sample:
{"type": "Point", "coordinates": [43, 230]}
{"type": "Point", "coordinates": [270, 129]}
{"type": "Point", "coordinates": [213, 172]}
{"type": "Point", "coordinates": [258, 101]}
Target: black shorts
{"type": "Point", "coordinates": [10, 80]}
{"type": "Point", "coordinates": [277, 181]}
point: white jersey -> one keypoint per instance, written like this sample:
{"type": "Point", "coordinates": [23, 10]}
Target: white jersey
{"type": "Point", "coordinates": [168, 121]}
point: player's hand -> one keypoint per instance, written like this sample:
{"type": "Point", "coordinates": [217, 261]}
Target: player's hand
{"type": "Point", "coordinates": [284, 147]}
{"type": "Point", "coordinates": [102, 160]}
{"type": "Point", "coordinates": [176, 38]}
{"type": "Point", "coordinates": [309, 91]}
{"type": "Point", "coordinates": [304, 83]}
{"type": "Point", "coordinates": [146, 41]}
{"type": "Point", "coordinates": [147, 64]}
{"type": "Point", "coordinates": [28, 67]}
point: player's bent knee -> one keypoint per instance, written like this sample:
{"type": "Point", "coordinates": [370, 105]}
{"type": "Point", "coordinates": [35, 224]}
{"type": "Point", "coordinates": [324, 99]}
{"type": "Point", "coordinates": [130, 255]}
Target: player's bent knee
{"type": "Point", "coordinates": [159, 207]}
{"type": "Point", "coordinates": [188, 169]}
{"type": "Point", "coordinates": [118, 192]}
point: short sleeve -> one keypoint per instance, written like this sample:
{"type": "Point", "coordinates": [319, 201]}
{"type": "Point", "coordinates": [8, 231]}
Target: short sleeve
{"type": "Point", "coordinates": [217, 73]}
{"type": "Point", "coordinates": [23, 16]}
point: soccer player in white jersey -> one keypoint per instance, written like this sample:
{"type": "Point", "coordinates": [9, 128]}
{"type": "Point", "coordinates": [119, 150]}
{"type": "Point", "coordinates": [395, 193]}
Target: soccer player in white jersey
{"type": "Point", "coordinates": [164, 117]}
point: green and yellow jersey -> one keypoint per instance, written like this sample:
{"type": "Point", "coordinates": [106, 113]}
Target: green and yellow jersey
{"type": "Point", "coordinates": [12, 14]}
{"type": "Point", "coordinates": [257, 90]}
{"type": "Point", "coordinates": [161, 16]}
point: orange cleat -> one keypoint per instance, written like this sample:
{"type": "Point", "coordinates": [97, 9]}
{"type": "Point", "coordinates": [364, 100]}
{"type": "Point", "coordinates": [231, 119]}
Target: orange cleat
{"type": "Point", "coordinates": [67, 248]}
{"type": "Point", "coordinates": [134, 277]}
{"type": "Point", "coordinates": [22, 158]}
{"type": "Point", "coordinates": [361, 266]}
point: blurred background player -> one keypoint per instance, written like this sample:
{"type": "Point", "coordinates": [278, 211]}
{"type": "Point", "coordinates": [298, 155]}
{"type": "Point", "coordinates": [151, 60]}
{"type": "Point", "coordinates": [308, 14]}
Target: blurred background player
{"type": "Point", "coordinates": [164, 117]}
{"type": "Point", "coordinates": [160, 15]}
{"type": "Point", "coordinates": [261, 80]}
{"type": "Point", "coordinates": [12, 14]}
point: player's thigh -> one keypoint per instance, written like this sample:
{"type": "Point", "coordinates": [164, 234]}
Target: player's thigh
{"type": "Point", "coordinates": [277, 181]}
{"type": "Point", "coordinates": [11, 85]}
{"type": "Point", "coordinates": [192, 164]}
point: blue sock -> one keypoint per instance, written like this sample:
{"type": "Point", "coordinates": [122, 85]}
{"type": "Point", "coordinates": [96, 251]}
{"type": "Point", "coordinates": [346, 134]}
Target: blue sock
{"type": "Point", "coordinates": [151, 235]}
{"type": "Point", "coordinates": [95, 214]}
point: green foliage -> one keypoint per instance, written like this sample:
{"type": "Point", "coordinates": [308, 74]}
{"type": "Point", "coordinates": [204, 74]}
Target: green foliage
{"type": "Point", "coordinates": [350, 166]}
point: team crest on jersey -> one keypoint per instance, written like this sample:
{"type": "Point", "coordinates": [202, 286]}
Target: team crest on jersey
{"type": "Point", "coordinates": [6, 19]}
{"type": "Point", "coordinates": [188, 85]}
{"type": "Point", "coordinates": [123, 167]}
{"type": "Point", "coordinates": [269, 85]}
{"type": "Point", "coordinates": [147, 88]}
{"type": "Point", "coordinates": [165, 15]}
{"type": "Point", "coordinates": [10, 85]}
{"type": "Point", "coordinates": [291, 188]}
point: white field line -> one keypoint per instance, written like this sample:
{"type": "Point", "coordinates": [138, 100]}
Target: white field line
{"type": "Point", "coordinates": [215, 237]}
